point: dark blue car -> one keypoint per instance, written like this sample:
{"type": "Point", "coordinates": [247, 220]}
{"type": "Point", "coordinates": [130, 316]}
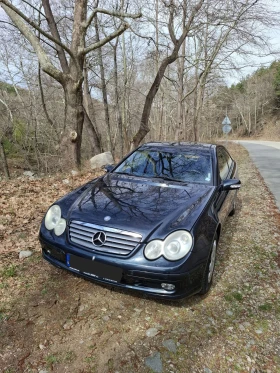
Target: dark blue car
{"type": "Point", "coordinates": [152, 223]}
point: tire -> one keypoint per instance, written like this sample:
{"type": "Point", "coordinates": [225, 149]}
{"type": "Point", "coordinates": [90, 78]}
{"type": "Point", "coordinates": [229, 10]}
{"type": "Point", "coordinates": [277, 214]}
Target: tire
{"type": "Point", "coordinates": [208, 275]}
{"type": "Point", "coordinates": [233, 209]}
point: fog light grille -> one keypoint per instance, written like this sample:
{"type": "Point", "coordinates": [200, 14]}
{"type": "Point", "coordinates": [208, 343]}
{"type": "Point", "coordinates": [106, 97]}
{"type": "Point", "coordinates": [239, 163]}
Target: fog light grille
{"type": "Point", "coordinates": [56, 254]}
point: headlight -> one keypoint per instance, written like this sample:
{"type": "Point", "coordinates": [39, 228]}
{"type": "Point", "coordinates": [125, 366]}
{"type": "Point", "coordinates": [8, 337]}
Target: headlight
{"type": "Point", "coordinates": [177, 245]}
{"type": "Point", "coordinates": [60, 227]}
{"type": "Point", "coordinates": [154, 249]}
{"type": "Point", "coordinates": [53, 220]}
{"type": "Point", "coordinates": [174, 247]}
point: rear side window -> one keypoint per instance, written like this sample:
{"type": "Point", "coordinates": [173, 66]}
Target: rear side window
{"type": "Point", "coordinates": [223, 163]}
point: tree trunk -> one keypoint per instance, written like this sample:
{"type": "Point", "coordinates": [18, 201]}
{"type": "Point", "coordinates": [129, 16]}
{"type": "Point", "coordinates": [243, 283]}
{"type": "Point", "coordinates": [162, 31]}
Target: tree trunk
{"type": "Point", "coordinates": [117, 102]}
{"type": "Point", "coordinates": [180, 94]}
{"type": "Point", "coordinates": [4, 160]}
{"type": "Point", "coordinates": [71, 74]}
{"type": "Point", "coordinates": [90, 120]}
{"type": "Point", "coordinates": [74, 116]}
{"type": "Point", "coordinates": [144, 124]}
{"type": "Point", "coordinates": [255, 130]}
{"type": "Point", "coordinates": [93, 137]}
{"type": "Point", "coordinates": [103, 88]}
{"type": "Point", "coordinates": [249, 122]}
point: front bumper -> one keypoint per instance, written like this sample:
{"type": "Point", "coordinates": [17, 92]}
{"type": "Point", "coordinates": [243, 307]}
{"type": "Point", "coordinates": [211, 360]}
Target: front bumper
{"type": "Point", "coordinates": [132, 278]}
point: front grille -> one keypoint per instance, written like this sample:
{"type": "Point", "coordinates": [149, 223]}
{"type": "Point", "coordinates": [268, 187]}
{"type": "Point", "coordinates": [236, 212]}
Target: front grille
{"type": "Point", "coordinates": [117, 241]}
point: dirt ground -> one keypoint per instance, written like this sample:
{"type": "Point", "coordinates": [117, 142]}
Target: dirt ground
{"type": "Point", "coordinates": [52, 321]}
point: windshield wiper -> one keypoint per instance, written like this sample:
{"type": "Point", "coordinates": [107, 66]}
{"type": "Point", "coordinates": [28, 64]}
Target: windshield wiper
{"type": "Point", "coordinates": [169, 179]}
{"type": "Point", "coordinates": [151, 177]}
{"type": "Point", "coordinates": [127, 174]}
{"type": "Point", "coordinates": [121, 173]}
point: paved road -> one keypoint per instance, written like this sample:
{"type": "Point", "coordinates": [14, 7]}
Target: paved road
{"type": "Point", "coordinates": [266, 156]}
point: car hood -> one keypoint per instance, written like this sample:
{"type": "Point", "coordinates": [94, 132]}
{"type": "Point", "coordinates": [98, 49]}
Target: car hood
{"type": "Point", "coordinates": [139, 205]}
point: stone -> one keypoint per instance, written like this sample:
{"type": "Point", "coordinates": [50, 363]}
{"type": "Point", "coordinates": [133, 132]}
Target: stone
{"type": "Point", "coordinates": [68, 325]}
{"type": "Point", "coordinates": [154, 362]}
{"type": "Point", "coordinates": [25, 254]}
{"type": "Point", "coordinates": [138, 310]}
{"type": "Point", "coordinates": [207, 370]}
{"type": "Point", "coordinates": [74, 173]}
{"type": "Point", "coordinates": [81, 308]}
{"type": "Point", "coordinates": [28, 173]}
{"type": "Point", "coordinates": [101, 159]}
{"type": "Point", "coordinates": [65, 181]}
{"type": "Point", "coordinates": [170, 345]}
{"type": "Point", "coordinates": [152, 332]}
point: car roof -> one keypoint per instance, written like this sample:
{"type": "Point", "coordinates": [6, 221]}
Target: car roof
{"type": "Point", "coordinates": [179, 145]}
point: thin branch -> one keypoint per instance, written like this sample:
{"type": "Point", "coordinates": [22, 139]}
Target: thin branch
{"type": "Point", "coordinates": [110, 13]}
{"type": "Point", "coordinates": [7, 5]}
{"type": "Point", "coordinates": [8, 109]}
{"type": "Point", "coordinates": [190, 21]}
{"type": "Point", "coordinates": [32, 6]}
{"type": "Point", "coordinates": [171, 24]}
{"type": "Point", "coordinates": [106, 40]}
{"type": "Point", "coordinates": [192, 90]}
{"type": "Point", "coordinates": [222, 39]}
{"type": "Point", "coordinates": [44, 102]}
{"type": "Point", "coordinates": [8, 23]}
{"type": "Point", "coordinates": [44, 60]}
{"type": "Point", "coordinates": [55, 34]}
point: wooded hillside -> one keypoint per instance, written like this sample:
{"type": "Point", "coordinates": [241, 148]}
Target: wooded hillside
{"type": "Point", "coordinates": [82, 77]}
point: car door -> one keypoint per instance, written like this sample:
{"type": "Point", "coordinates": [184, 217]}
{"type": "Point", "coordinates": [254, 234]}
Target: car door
{"type": "Point", "coordinates": [223, 202]}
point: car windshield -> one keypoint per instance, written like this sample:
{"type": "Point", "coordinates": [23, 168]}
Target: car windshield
{"type": "Point", "coordinates": [192, 166]}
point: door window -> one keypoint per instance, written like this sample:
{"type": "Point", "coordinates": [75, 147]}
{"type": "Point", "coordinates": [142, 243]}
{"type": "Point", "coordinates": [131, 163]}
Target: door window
{"type": "Point", "coordinates": [222, 163]}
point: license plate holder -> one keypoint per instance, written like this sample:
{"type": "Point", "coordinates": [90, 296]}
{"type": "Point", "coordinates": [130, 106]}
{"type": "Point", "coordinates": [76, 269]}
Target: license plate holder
{"type": "Point", "coordinates": [94, 268]}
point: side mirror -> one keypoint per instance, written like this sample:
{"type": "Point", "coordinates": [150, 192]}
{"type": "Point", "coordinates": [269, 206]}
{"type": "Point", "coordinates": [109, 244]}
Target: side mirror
{"type": "Point", "coordinates": [108, 167]}
{"type": "Point", "coordinates": [231, 184]}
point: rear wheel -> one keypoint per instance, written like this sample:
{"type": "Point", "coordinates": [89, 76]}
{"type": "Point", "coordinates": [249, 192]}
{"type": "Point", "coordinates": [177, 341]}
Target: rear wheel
{"type": "Point", "coordinates": [209, 271]}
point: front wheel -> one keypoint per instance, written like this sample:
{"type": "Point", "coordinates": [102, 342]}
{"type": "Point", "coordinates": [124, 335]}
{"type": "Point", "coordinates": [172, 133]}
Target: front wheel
{"type": "Point", "coordinates": [209, 271]}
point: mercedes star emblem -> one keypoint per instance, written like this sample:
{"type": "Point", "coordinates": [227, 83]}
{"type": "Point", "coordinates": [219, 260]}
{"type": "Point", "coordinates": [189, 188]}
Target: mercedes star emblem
{"type": "Point", "coordinates": [99, 238]}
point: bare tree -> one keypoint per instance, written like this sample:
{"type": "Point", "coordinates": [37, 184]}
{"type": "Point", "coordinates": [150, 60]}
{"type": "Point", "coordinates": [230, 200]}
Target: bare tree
{"type": "Point", "coordinates": [7, 118]}
{"type": "Point", "coordinates": [176, 43]}
{"type": "Point", "coordinates": [90, 118]}
{"type": "Point", "coordinates": [71, 58]}
{"type": "Point", "coordinates": [202, 37]}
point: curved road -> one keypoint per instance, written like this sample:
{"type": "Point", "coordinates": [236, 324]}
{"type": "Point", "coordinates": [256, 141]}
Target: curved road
{"type": "Point", "coordinates": [266, 156]}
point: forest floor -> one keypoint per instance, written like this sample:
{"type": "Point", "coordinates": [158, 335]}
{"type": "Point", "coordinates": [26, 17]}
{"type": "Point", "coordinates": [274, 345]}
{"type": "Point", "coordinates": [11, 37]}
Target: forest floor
{"type": "Point", "coordinates": [52, 321]}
